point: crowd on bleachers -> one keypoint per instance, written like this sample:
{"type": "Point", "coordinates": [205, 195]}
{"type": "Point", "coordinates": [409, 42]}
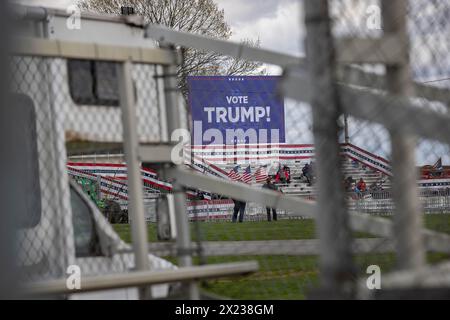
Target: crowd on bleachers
{"type": "Point", "coordinates": [360, 181]}
{"type": "Point", "coordinates": [360, 189]}
{"type": "Point", "coordinates": [283, 175]}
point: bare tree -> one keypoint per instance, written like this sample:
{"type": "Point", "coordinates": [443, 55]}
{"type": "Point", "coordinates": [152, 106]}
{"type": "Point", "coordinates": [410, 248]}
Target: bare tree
{"type": "Point", "coordinates": [196, 16]}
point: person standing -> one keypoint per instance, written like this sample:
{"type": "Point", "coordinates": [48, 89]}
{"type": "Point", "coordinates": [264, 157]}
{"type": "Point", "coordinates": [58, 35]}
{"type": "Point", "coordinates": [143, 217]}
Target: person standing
{"type": "Point", "coordinates": [239, 207]}
{"type": "Point", "coordinates": [271, 186]}
{"type": "Point", "coordinates": [306, 170]}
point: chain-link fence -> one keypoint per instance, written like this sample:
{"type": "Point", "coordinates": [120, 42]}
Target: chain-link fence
{"type": "Point", "coordinates": [69, 122]}
{"type": "Point", "coordinates": [416, 68]}
{"type": "Point", "coordinates": [364, 151]}
{"type": "Point", "coordinates": [285, 249]}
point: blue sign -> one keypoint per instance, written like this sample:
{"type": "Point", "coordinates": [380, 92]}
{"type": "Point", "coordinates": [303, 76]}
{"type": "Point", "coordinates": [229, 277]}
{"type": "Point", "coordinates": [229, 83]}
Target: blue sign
{"type": "Point", "coordinates": [235, 110]}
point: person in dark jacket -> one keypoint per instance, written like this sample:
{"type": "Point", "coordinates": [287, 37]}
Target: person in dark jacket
{"type": "Point", "coordinates": [271, 186]}
{"type": "Point", "coordinates": [239, 206]}
{"type": "Point", "coordinates": [306, 171]}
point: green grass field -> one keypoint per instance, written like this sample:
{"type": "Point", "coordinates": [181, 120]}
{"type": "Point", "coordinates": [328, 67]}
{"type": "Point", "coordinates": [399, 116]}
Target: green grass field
{"type": "Point", "coordinates": [280, 276]}
{"type": "Point", "coordinates": [248, 230]}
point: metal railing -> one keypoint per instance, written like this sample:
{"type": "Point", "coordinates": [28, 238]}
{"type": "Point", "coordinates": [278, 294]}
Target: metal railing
{"type": "Point", "coordinates": [139, 278]}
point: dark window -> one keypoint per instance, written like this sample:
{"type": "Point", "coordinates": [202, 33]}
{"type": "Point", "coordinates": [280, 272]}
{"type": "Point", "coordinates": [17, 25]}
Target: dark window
{"type": "Point", "coordinates": [22, 162]}
{"type": "Point", "coordinates": [93, 82]}
{"type": "Point", "coordinates": [86, 238]}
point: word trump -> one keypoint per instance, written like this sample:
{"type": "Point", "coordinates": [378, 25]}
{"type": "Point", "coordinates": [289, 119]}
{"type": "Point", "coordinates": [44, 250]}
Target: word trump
{"type": "Point", "coordinates": [238, 113]}
{"type": "Point", "coordinates": [229, 111]}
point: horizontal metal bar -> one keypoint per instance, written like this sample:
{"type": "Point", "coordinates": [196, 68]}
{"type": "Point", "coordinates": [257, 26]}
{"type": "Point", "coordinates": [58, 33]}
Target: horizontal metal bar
{"type": "Point", "coordinates": [382, 227]}
{"type": "Point", "coordinates": [385, 50]}
{"type": "Point", "coordinates": [92, 51]}
{"type": "Point", "coordinates": [114, 281]}
{"type": "Point", "coordinates": [272, 247]}
{"type": "Point", "coordinates": [223, 47]}
{"type": "Point", "coordinates": [395, 113]}
{"type": "Point", "coordinates": [434, 241]}
{"type": "Point", "coordinates": [157, 153]}
{"type": "Point", "coordinates": [29, 12]}
{"type": "Point", "coordinates": [352, 75]}
{"type": "Point", "coordinates": [242, 191]}
{"type": "Point", "coordinates": [349, 50]}
{"type": "Point", "coordinates": [295, 84]}
{"type": "Point", "coordinates": [430, 277]}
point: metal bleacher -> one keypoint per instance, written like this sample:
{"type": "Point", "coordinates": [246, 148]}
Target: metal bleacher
{"type": "Point", "coordinates": [300, 187]}
{"type": "Point", "coordinates": [350, 168]}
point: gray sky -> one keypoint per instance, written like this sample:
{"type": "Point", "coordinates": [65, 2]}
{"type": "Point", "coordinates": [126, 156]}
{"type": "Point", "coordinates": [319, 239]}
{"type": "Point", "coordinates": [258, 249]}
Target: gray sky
{"type": "Point", "coordinates": [275, 22]}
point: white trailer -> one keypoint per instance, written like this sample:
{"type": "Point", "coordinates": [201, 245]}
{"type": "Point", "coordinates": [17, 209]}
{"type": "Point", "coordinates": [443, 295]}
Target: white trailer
{"type": "Point", "coordinates": [59, 102]}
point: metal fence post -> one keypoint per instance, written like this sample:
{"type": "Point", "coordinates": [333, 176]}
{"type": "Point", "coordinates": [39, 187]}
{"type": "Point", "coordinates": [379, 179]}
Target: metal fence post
{"type": "Point", "coordinates": [336, 269]}
{"type": "Point", "coordinates": [183, 238]}
{"type": "Point", "coordinates": [11, 151]}
{"type": "Point", "coordinates": [407, 218]}
{"type": "Point", "coordinates": [135, 185]}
